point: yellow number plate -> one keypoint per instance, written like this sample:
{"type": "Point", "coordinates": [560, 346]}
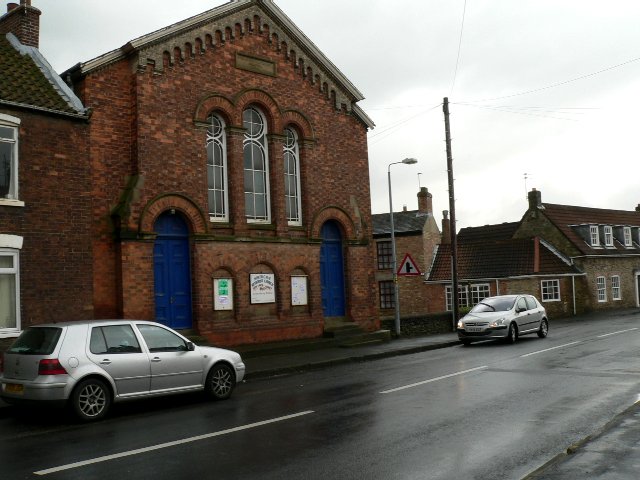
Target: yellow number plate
{"type": "Point", "coordinates": [14, 388]}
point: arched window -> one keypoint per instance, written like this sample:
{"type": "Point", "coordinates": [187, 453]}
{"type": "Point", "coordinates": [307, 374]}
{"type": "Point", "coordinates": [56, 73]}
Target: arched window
{"type": "Point", "coordinates": [256, 167]}
{"type": "Point", "coordinates": [292, 177]}
{"type": "Point", "coordinates": [217, 170]}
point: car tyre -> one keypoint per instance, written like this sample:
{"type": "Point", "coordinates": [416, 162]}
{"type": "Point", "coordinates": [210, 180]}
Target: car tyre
{"type": "Point", "coordinates": [91, 400]}
{"type": "Point", "coordinates": [221, 381]}
{"type": "Point", "coordinates": [544, 328]}
{"type": "Point", "coordinates": [512, 334]}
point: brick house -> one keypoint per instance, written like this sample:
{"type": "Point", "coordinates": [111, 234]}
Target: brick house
{"type": "Point", "coordinates": [492, 262]}
{"type": "Point", "coordinates": [416, 234]}
{"type": "Point", "coordinates": [602, 243]}
{"type": "Point", "coordinates": [574, 259]}
{"type": "Point", "coordinates": [230, 185]}
{"type": "Point", "coordinates": [45, 224]}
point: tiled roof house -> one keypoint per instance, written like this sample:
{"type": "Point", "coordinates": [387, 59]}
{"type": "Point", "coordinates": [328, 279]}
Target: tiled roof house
{"type": "Point", "coordinates": [492, 262]}
{"type": "Point", "coordinates": [45, 184]}
{"type": "Point", "coordinates": [602, 243]}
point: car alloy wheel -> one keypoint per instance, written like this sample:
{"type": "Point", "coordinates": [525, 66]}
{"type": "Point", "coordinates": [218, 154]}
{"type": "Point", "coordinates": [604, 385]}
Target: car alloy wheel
{"type": "Point", "coordinates": [220, 381]}
{"type": "Point", "coordinates": [91, 399]}
{"type": "Point", "coordinates": [512, 334]}
{"type": "Point", "coordinates": [544, 329]}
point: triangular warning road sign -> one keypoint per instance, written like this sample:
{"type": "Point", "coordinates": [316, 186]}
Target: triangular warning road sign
{"type": "Point", "coordinates": [408, 267]}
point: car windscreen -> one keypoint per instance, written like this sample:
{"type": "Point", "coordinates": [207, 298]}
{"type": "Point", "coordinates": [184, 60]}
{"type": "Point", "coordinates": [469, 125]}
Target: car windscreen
{"type": "Point", "coordinates": [497, 304]}
{"type": "Point", "coordinates": [36, 341]}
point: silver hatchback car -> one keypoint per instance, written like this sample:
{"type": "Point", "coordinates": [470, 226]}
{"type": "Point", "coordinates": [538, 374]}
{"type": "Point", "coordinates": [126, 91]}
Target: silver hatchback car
{"type": "Point", "coordinates": [88, 365]}
{"type": "Point", "coordinates": [503, 317]}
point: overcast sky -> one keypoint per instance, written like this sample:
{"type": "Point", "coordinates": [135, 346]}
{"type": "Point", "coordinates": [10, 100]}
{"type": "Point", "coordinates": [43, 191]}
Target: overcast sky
{"type": "Point", "coordinates": [546, 88]}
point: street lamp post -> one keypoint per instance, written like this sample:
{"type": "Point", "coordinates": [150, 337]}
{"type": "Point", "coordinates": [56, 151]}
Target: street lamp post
{"type": "Point", "coordinates": [396, 296]}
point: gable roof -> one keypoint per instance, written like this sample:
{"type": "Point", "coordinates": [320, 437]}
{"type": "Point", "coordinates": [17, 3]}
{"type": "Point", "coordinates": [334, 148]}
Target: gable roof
{"type": "Point", "coordinates": [226, 19]}
{"type": "Point", "coordinates": [28, 81]}
{"type": "Point", "coordinates": [500, 259]}
{"type": "Point", "coordinates": [404, 223]}
{"type": "Point", "coordinates": [574, 223]}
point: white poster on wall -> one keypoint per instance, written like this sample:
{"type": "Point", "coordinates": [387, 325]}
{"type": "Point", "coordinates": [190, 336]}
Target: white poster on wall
{"type": "Point", "coordinates": [299, 294]}
{"type": "Point", "coordinates": [222, 294]}
{"type": "Point", "coordinates": [263, 287]}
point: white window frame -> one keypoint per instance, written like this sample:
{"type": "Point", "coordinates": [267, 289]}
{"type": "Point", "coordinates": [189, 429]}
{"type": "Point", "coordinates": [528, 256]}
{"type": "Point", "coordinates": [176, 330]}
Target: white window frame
{"type": "Point", "coordinates": [291, 153]}
{"type": "Point", "coordinates": [601, 288]}
{"type": "Point", "coordinates": [478, 292]}
{"type": "Point", "coordinates": [12, 123]}
{"type": "Point", "coordinates": [615, 288]}
{"type": "Point", "coordinates": [10, 246]}
{"type": "Point", "coordinates": [628, 240]}
{"type": "Point", "coordinates": [608, 236]}
{"type": "Point", "coordinates": [217, 138]}
{"type": "Point", "coordinates": [258, 140]}
{"type": "Point", "coordinates": [550, 290]}
{"type": "Point", "coordinates": [463, 297]}
{"type": "Point", "coordinates": [595, 235]}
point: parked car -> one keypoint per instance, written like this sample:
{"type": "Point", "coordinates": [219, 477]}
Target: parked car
{"type": "Point", "coordinates": [504, 317]}
{"type": "Point", "coordinates": [91, 364]}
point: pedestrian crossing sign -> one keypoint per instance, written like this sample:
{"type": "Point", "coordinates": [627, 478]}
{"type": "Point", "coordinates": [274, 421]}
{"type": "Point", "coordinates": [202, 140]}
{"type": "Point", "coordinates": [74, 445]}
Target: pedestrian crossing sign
{"type": "Point", "coordinates": [408, 267]}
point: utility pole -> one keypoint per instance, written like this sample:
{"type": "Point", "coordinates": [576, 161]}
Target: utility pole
{"type": "Point", "coordinates": [455, 301]}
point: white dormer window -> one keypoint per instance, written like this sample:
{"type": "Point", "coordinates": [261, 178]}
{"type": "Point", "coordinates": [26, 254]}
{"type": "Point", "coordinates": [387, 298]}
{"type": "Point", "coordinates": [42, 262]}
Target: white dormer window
{"type": "Point", "coordinates": [628, 242]}
{"type": "Point", "coordinates": [608, 236]}
{"type": "Point", "coordinates": [595, 236]}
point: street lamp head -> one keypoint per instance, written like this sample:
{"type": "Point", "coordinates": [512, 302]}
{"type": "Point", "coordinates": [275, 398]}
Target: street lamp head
{"type": "Point", "coordinates": [409, 161]}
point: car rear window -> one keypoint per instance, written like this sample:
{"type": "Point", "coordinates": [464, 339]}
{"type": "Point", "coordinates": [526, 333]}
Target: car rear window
{"type": "Point", "coordinates": [36, 341]}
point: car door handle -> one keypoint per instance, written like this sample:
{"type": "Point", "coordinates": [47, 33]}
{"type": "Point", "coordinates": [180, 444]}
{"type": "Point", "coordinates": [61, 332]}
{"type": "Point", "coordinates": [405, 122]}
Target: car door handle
{"type": "Point", "coordinates": [156, 359]}
{"type": "Point", "coordinates": [106, 361]}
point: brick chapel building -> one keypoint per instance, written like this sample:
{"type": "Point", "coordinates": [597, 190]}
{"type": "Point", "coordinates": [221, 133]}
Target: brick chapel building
{"type": "Point", "coordinates": [214, 177]}
{"type": "Point", "coordinates": [230, 181]}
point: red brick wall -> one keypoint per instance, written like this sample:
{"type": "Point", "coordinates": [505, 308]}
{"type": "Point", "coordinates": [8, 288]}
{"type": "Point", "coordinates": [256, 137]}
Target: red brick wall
{"type": "Point", "coordinates": [56, 258]}
{"type": "Point", "coordinates": [147, 140]}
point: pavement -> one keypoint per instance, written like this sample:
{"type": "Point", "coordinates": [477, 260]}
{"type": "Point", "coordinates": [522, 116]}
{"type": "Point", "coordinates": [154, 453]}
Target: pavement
{"type": "Point", "coordinates": [612, 453]}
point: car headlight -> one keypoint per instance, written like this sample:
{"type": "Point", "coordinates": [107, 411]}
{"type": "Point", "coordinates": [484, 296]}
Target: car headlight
{"type": "Point", "coordinates": [460, 324]}
{"type": "Point", "coordinates": [497, 323]}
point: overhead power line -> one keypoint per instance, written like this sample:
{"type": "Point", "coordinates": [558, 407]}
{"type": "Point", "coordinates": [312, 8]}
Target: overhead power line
{"type": "Point", "coordinates": [455, 73]}
{"type": "Point", "coordinates": [559, 84]}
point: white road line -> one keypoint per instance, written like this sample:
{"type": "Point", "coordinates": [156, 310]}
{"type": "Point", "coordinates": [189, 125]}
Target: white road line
{"type": "Point", "coordinates": [548, 349]}
{"type": "Point", "coordinates": [615, 333]}
{"type": "Point", "coordinates": [167, 444]}
{"type": "Point", "coordinates": [434, 379]}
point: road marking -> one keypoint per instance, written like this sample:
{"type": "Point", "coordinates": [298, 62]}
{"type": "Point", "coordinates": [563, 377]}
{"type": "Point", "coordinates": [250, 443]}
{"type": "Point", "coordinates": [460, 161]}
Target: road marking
{"type": "Point", "coordinates": [615, 333]}
{"type": "Point", "coordinates": [434, 379]}
{"type": "Point", "coordinates": [167, 444]}
{"type": "Point", "coordinates": [548, 349]}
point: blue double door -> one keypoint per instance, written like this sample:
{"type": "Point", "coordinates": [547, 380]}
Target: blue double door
{"type": "Point", "coordinates": [172, 272]}
{"type": "Point", "coordinates": [332, 270]}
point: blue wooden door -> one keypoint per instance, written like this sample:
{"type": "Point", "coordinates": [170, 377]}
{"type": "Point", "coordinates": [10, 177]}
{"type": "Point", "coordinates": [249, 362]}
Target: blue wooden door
{"type": "Point", "coordinates": [172, 272]}
{"type": "Point", "coordinates": [332, 270]}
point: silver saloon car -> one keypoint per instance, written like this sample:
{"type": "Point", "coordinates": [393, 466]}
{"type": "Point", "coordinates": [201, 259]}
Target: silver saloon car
{"type": "Point", "coordinates": [503, 317]}
{"type": "Point", "coordinates": [91, 364]}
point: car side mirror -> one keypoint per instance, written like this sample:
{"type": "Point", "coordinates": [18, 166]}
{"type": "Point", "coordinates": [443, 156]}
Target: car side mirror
{"type": "Point", "coordinates": [190, 346]}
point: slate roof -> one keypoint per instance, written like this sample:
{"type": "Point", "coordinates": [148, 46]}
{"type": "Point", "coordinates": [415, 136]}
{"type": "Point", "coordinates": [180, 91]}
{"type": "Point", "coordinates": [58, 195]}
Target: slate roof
{"type": "Point", "coordinates": [574, 223]}
{"type": "Point", "coordinates": [499, 259]}
{"type": "Point", "coordinates": [404, 223]}
{"type": "Point", "coordinates": [27, 80]}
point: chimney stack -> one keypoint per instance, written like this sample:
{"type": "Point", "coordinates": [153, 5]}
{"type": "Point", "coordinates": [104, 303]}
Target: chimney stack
{"type": "Point", "coordinates": [425, 201]}
{"type": "Point", "coordinates": [446, 228]}
{"type": "Point", "coordinates": [23, 21]}
{"type": "Point", "coordinates": [535, 199]}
